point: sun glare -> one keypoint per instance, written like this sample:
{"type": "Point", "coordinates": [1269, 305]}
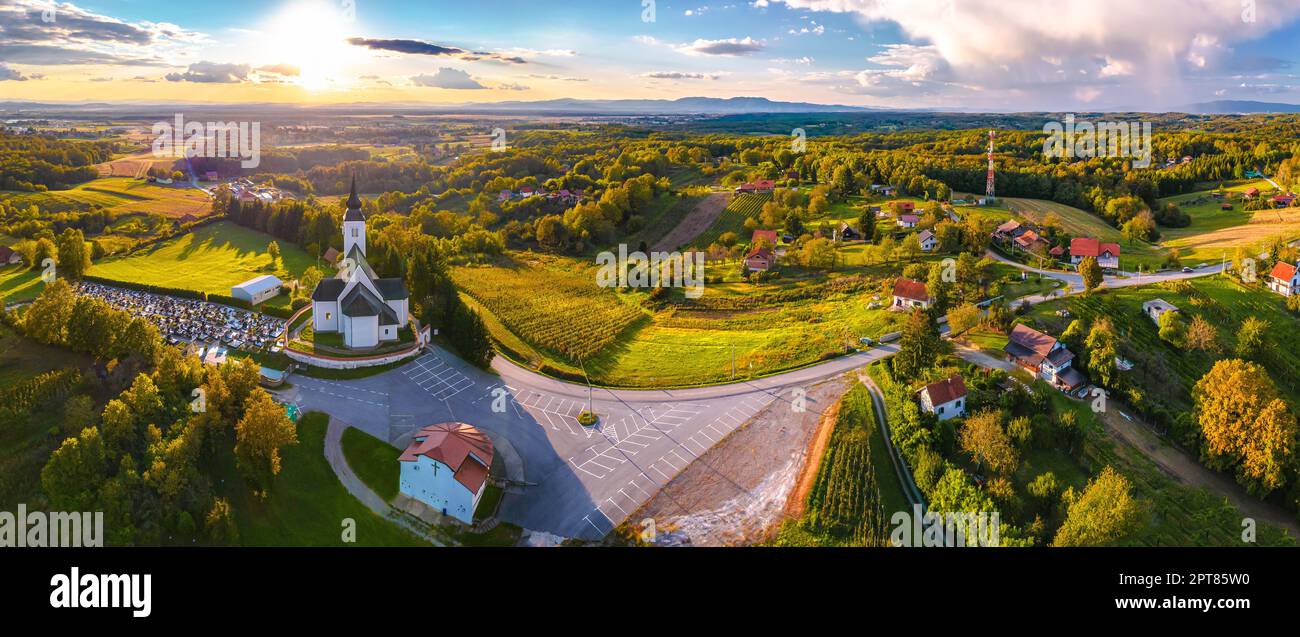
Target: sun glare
{"type": "Point", "coordinates": [313, 37]}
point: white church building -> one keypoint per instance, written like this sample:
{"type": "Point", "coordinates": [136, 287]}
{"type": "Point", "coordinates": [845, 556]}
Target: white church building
{"type": "Point", "coordinates": [366, 309]}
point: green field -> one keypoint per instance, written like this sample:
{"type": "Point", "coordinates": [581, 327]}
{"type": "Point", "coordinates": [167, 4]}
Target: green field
{"type": "Point", "coordinates": [540, 304]}
{"type": "Point", "coordinates": [1215, 233]}
{"type": "Point", "coordinates": [373, 460]}
{"type": "Point", "coordinates": [732, 219]}
{"type": "Point", "coordinates": [18, 283]}
{"type": "Point", "coordinates": [118, 194]}
{"type": "Point", "coordinates": [308, 504]}
{"type": "Point", "coordinates": [211, 259]}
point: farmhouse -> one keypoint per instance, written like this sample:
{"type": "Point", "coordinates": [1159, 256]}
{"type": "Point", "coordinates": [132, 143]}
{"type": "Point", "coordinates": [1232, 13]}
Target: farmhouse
{"type": "Point", "coordinates": [257, 290]}
{"type": "Point", "coordinates": [908, 221]}
{"type": "Point", "coordinates": [1107, 254]}
{"type": "Point", "coordinates": [332, 256]}
{"type": "Point", "coordinates": [910, 294]}
{"type": "Point", "coordinates": [1285, 279]}
{"type": "Point", "coordinates": [945, 399]}
{"type": "Point", "coordinates": [847, 233]}
{"type": "Point", "coordinates": [1157, 308]}
{"type": "Point", "coordinates": [1282, 201]}
{"type": "Point", "coordinates": [446, 467]}
{"type": "Point", "coordinates": [1044, 357]}
{"type": "Point", "coordinates": [1029, 241]}
{"type": "Point", "coordinates": [1008, 230]}
{"type": "Point", "coordinates": [928, 242]}
{"type": "Point", "coordinates": [768, 236]}
{"type": "Point", "coordinates": [1250, 193]}
{"type": "Point", "coordinates": [760, 259]}
{"type": "Point", "coordinates": [8, 256]}
{"type": "Point", "coordinates": [762, 186]}
{"type": "Point", "coordinates": [366, 309]}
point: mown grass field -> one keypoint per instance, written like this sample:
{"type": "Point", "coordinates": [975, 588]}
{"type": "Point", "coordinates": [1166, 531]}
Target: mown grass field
{"type": "Point", "coordinates": [119, 194]}
{"type": "Point", "coordinates": [1084, 224]}
{"type": "Point", "coordinates": [1215, 233]}
{"type": "Point", "coordinates": [19, 283]}
{"type": "Point", "coordinates": [211, 259]}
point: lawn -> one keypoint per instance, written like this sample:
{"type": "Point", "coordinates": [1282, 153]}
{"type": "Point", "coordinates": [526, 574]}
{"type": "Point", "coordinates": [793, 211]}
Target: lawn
{"type": "Point", "coordinates": [1215, 233]}
{"type": "Point", "coordinates": [308, 504]}
{"type": "Point", "coordinates": [18, 283]}
{"type": "Point", "coordinates": [373, 460]}
{"type": "Point", "coordinates": [1081, 223]}
{"type": "Point", "coordinates": [211, 259]}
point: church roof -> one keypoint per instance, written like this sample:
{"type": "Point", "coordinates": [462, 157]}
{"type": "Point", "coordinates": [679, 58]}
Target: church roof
{"type": "Point", "coordinates": [328, 290]}
{"type": "Point", "coordinates": [361, 302]}
{"type": "Point", "coordinates": [392, 289]}
{"type": "Point", "coordinates": [359, 258]}
{"type": "Point", "coordinates": [354, 205]}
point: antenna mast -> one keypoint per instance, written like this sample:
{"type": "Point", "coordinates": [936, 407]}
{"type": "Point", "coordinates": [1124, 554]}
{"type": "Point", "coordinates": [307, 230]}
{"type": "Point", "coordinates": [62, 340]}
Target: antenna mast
{"type": "Point", "coordinates": [988, 184]}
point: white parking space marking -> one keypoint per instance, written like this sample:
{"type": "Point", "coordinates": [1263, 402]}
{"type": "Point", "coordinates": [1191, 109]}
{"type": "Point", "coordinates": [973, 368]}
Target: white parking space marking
{"type": "Point", "coordinates": [433, 375]}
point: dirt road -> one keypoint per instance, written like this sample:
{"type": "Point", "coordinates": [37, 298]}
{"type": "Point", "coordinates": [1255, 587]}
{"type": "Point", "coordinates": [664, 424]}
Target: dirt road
{"type": "Point", "coordinates": [699, 220]}
{"type": "Point", "coordinates": [1186, 470]}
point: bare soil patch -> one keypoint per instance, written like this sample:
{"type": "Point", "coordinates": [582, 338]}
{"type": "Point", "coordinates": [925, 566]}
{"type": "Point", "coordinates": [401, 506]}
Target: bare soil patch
{"type": "Point", "coordinates": [699, 220]}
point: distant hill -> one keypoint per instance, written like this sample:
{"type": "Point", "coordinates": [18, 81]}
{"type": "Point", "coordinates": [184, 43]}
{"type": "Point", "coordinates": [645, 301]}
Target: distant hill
{"type": "Point", "coordinates": [682, 106]}
{"type": "Point", "coordinates": [1228, 107]}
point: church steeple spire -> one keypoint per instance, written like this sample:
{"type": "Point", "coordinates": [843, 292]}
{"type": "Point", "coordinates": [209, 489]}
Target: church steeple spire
{"type": "Point", "coordinates": [354, 202]}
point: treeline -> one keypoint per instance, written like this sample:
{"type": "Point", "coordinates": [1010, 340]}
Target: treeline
{"type": "Point", "coordinates": [35, 163]}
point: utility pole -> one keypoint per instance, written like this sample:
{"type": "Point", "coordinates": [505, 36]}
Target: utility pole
{"type": "Point", "coordinates": [733, 361]}
{"type": "Point", "coordinates": [588, 379]}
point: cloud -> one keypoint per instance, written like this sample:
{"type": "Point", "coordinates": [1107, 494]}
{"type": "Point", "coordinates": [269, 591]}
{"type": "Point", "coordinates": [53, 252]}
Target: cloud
{"type": "Point", "coordinates": [678, 75]}
{"type": "Point", "coordinates": [561, 78]}
{"type": "Point", "coordinates": [1050, 48]}
{"type": "Point", "coordinates": [212, 73]}
{"type": "Point", "coordinates": [449, 78]}
{"type": "Point", "coordinates": [287, 70]}
{"type": "Point", "coordinates": [7, 74]}
{"type": "Point", "coordinates": [68, 35]}
{"type": "Point", "coordinates": [418, 47]}
{"type": "Point", "coordinates": [727, 47]}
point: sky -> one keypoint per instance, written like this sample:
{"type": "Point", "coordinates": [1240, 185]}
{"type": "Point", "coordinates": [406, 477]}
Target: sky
{"type": "Point", "coordinates": [1003, 55]}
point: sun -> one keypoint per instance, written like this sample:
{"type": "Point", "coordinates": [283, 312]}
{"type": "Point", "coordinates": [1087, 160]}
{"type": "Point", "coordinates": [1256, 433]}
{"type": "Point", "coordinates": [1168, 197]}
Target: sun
{"type": "Point", "coordinates": [311, 35]}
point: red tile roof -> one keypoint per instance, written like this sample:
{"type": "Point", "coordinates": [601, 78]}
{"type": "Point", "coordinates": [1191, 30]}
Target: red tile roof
{"type": "Point", "coordinates": [1038, 343]}
{"type": "Point", "coordinates": [908, 219]}
{"type": "Point", "coordinates": [910, 289]}
{"type": "Point", "coordinates": [463, 448]}
{"type": "Point", "coordinates": [770, 235]}
{"type": "Point", "coordinates": [762, 253]}
{"type": "Point", "coordinates": [1284, 271]}
{"type": "Point", "coordinates": [1089, 247]}
{"type": "Point", "coordinates": [946, 391]}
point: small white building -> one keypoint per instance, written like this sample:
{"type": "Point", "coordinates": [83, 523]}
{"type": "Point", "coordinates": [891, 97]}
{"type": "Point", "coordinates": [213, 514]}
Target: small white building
{"type": "Point", "coordinates": [945, 399]}
{"type": "Point", "coordinates": [446, 467]}
{"type": "Point", "coordinates": [257, 290]}
{"type": "Point", "coordinates": [910, 294]}
{"type": "Point", "coordinates": [928, 242]}
{"type": "Point", "coordinates": [1156, 308]}
{"type": "Point", "coordinates": [1285, 279]}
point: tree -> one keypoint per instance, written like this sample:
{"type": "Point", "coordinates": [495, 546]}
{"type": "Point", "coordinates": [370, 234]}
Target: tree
{"type": "Point", "coordinates": [984, 439]}
{"type": "Point", "coordinates": [819, 254]}
{"type": "Point", "coordinates": [1246, 424]}
{"type": "Point", "coordinates": [1201, 335]}
{"type": "Point", "coordinates": [220, 523]}
{"type": "Point", "coordinates": [919, 347]}
{"type": "Point", "coordinates": [75, 471]}
{"type": "Point", "coordinates": [1104, 513]}
{"type": "Point", "coordinates": [273, 250]}
{"type": "Point", "coordinates": [73, 254]}
{"type": "Point", "coordinates": [1091, 273]}
{"type": "Point", "coordinates": [259, 436]}
{"type": "Point", "coordinates": [1103, 347]}
{"type": "Point", "coordinates": [867, 223]}
{"type": "Point", "coordinates": [1251, 338]}
{"type": "Point", "coordinates": [1142, 227]}
{"type": "Point", "coordinates": [963, 318]}
{"type": "Point", "coordinates": [1172, 330]}
{"type": "Point", "coordinates": [47, 318]}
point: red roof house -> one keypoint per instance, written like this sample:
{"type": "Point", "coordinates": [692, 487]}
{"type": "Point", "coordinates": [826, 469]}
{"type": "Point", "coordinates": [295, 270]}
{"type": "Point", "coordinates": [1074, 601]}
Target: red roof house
{"type": "Point", "coordinates": [1106, 254]}
{"type": "Point", "coordinates": [769, 235]}
{"type": "Point", "coordinates": [910, 294]}
{"type": "Point", "coordinates": [446, 467]}
{"type": "Point", "coordinates": [945, 399]}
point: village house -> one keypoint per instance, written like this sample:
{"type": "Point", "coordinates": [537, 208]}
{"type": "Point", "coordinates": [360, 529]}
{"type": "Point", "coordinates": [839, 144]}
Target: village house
{"type": "Point", "coordinates": [910, 294]}
{"type": "Point", "coordinates": [446, 467]}
{"type": "Point", "coordinates": [945, 399]}
{"type": "Point", "coordinates": [1285, 279]}
{"type": "Point", "coordinates": [908, 221]}
{"type": "Point", "coordinates": [761, 187]}
{"type": "Point", "coordinates": [760, 259]}
{"type": "Point", "coordinates": [1283, 201]}
{"type": "Point", "coordinates": [1044, 357]}
{"type": "Point", "coordinates": [1107, 254]}
{"type": "Point", "coordinates": [1157, 308]}
{"type": "Point", "coordinates": [763, 236]}
{"type": "Point", "coordinates": [1029, 241]}
{"type": "Point", "coordinates": [1250, 193]}
{"type": "Point", "coordinates": [847, 233]}
{"type": "Point", "coordinates": [928, 242]}
{"type": "Point", "coordinates": [9, 257]}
